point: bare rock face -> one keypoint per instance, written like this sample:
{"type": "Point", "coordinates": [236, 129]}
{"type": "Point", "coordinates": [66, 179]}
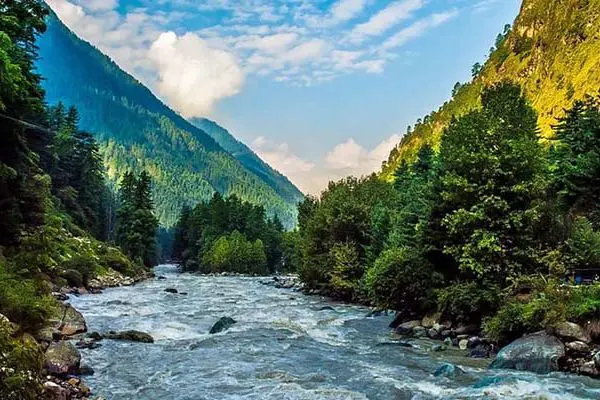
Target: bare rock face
{"type": "Point", "coordinates": [130, 336]}
{"type": "Point", "coordinates": [62, 358]}
{"type": "Point", "coordinates": [72, 322]}
{"type": "Point", "coordinates": [538, 352]}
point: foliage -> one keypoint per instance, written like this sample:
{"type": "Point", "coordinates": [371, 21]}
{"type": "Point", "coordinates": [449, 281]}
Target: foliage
{"type": "Point", "coordinates": [491, 179]}
{"type": "Point", "coordinates": [235, 253]}
{"type": "Point", "coordinates": [467, 302]}
{"type": "Point", "coordinates": [20, 363]}
{"type": "Point", "coordinates": [215, 222]}
{"type": "Point", "coordinates": [137, 226]}
{"type": "Point", "coordinates": [403, 280]}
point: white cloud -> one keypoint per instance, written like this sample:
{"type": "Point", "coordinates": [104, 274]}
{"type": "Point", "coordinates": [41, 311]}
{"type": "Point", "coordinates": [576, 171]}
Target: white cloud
{"type": "Point", "coordinates": [345, 10]}
{"type": "Point", "coordinates": [385, 19]}
{"type": "Point", "coordinates": [192, 75]}
{"type": "Point", "coordinates": [347, 158]}
{"type": "Point", "coordinates": [417, 29]}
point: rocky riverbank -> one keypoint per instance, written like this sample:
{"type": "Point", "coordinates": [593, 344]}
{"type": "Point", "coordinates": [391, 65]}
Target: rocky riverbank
{"type": "Point", "coordinates": [66, 333]}
{"type": "Point", "coordinates": [567, 348]}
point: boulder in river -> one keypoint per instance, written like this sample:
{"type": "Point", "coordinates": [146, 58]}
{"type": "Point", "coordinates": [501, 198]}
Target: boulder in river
{"type": "Point", "coordinates": [62, 358]}
{"type": "Point", "coordinates": [448, 371]}
{"type": "Point", "coordinates": [131, 336]}
{"type": "Point", "coordinates": [406, 328]}
{"type": "Point", "coordinates": [222, 324]}
{"type": "Point", "coordinates": [171, 290]}
{"type": "Point", "coordinates": [538, 352]}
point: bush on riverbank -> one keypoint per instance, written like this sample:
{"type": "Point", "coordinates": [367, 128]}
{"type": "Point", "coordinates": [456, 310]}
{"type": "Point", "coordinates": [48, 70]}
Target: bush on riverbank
{"type": "Point", "coordinates": [20, 364]}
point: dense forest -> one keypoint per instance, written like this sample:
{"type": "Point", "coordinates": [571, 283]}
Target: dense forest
{"type": "Point", "coordinates": [136, 131]}
{"type": "Point", "coordinates": [231, 235]}
{"type": "Point", "coordinates": [485, 231]}
{"type": "Point", "coordinates": [552, 51]}
{"type": "Point", "coordinates": [56, 211]}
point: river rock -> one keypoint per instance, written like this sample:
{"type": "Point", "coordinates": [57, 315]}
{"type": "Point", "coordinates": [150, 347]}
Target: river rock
{"type": "Point", "coordinates": [463, 344]}
{"type": "Point", "coordinates": [72, 321]}
{"type": "Point", "coordinates": [467, 329]}
{"type": "Point", "coordinates": [406, 328]}
{"type": "Point", "coordinates": [325, 308]}
{"type": "Point", "coordinates": [171, 290]}
{"type": "Point", "coordinates": [55, 392]}
{"type": "Point", "coordinates": [88, 343]}
{"type": "Point", "coordinates": [222, 324]}
{"type": "Point", "coordinates": [433, 334]}
{"type": "Point", "coordinates": [481, 350]}
{"type": "Point", "coordinates": [130, 336]}
{"type": "Point", "coordinates": [577, 347]}
{"type": "Point", "coordinates": [448, 342]}
{"type": "Point", "coordinates": [419, 332]}
{"type": "Point", "coordinates": [448, 370]}
{"type": "Point", "coordinates": [570, 332]}
{"type": "Point", "coordinates": [473, 342]}
{"type": "Point", "coordinates": [538, 352]}
{"type": "Point", "coordinates": [596, 359]}
{"type": "Point", "coordinates": [161, 278]}
{"type": "Point", "coordinates": [62, 358]}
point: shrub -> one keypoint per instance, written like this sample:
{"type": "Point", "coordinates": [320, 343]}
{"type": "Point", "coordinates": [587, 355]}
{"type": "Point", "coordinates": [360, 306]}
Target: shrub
{"type": "Point", "coordinates": [20, 365]}
{"type": "Point", "coordinates": [468, 302]}
{"type": "Point", "coordinates": [85, 265]}
{"type": "Point", "coordinates": [546, 306]}
{"type": "Point", "coordinates": [113, 258]}
{"type": "Point", "coordinates": [23, 300]}
{"type": "Point", "coordinates": [401, 279]}
{"type": "Point", "coordinates": [584, 244]}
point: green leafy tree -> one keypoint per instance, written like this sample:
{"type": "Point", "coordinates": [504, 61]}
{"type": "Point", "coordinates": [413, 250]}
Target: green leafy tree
{"type": "Point", "coordinates": [492, 170]}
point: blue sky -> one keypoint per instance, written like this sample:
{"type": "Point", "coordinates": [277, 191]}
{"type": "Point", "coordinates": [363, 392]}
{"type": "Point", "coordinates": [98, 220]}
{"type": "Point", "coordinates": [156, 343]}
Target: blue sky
{"type": "Point", "coordinates": [319, 88]}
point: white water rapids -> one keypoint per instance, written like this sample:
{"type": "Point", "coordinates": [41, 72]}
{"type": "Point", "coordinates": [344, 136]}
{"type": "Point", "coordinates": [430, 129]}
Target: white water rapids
{"type": "Point", "coordinates": [282, 347]}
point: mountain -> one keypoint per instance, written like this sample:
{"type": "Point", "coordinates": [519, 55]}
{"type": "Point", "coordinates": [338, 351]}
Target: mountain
{"type": "Point", "coordinates": [249, 159]}
{"type": "Point", "coordinates": [552, 51]}
{"type": "Point", "coordinates": [137, 131]}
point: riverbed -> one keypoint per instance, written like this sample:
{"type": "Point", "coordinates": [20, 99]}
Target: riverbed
{"type": "Point", "coordinates": [285, 345]}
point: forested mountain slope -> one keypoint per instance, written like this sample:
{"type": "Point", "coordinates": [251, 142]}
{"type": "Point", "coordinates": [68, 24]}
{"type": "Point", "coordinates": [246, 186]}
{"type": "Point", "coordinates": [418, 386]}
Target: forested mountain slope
{"type": "Point", "coordinates": [136, 130]}
{"type": "Point", "coordinates": [250, 160]}
{"type": "Point", "coordinates": [552, 51]}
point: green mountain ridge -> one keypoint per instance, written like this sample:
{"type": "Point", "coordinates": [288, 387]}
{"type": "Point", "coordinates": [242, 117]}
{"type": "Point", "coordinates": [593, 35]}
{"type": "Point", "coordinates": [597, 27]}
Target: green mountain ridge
{"type": "Point", "coordinates": [552, 51]}
{"type": "Point", "coordinates": [137, 131]}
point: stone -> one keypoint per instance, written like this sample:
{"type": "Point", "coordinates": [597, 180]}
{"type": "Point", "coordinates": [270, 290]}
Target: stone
{"type": "Point", "coordinates": [430, 320]}
{"type": "Point", "coordinates": [589, 368]}
{"type": "Point", "coordinates": [596, 359]}
{"type": "Point", "coordinates": [88, 344]}
{"type": "Point", "coordinates": [406, 328]}
{"type": "Point", "coordinates": [398, 320]}
{"type": "Point", "coordinates": [571, 332]}
{"type": "Point", "coordinates": [86, 370]}
{"type": "Point", "coordinates": [222, 324]}
{"type": "Point", "coordinates": [325, 308]}
{"type": "Point", "coordinates": [448, 342]}
{"type": "Point", "coordinates": [538, 352]}
{"type": "Point", "coordinates": [73, 277]}
{"type": "Point", "coordinates": [419, 332]}
{"type": "Point", "coordinates": [130, 336]}
{"type": "Point", "coordinates": [161, 278]}
{"type": "Point", "coordinates": [467, 329]}
{"type": "Point", "coordinates": [577, 347]}
{"type": "Point", "coordinates": [463, 344]}
{"type": "Point", "coordinates": [447, 333]}
{"type": "Point", "coordinates": [171, 290]}
{"type": "Point", "coordinates": [72, 321]}
{"type": "Point", "coordinates": [473, 342]}
{"type": "Point", "coordinates": [55, 391]}
{"type": "Point", "coordinates": [433, 334]}
{"type": "Point", "coordinates": [438, 348]}
{"type": "Point", "coordinates": [47, 334]}
{"type": "Point", "coordinates": [95, 335]}
{"type": "Point", "coordinates": [481, 350]}
{"type": "Point", "coordinates": [438, 327]}
{"type": "Point", "coordinates": [62, 358]}
{"type": "Point", "coordinates": [448, 371]}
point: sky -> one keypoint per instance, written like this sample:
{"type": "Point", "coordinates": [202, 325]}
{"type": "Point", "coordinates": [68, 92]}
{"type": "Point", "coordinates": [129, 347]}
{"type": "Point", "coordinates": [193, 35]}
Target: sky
{"type": "Point", "coordinates": [320, 89]}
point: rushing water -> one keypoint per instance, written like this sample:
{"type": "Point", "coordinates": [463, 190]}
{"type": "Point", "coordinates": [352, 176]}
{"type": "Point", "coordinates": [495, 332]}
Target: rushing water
{"type": "Point", "coordinates": [283, 347]}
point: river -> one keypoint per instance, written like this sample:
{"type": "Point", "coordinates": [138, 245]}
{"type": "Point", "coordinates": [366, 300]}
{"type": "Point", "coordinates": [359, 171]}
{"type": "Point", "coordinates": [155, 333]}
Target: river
{"type": "Point", "coordinates": [283, 347]}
